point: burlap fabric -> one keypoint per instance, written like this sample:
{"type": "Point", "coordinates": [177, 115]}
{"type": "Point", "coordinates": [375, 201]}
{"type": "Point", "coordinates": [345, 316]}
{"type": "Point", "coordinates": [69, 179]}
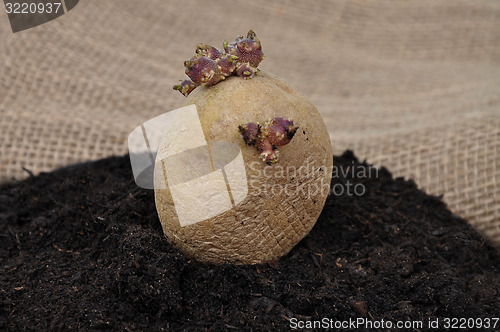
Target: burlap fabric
{"type": "Point", "coordinates": [410, 85]}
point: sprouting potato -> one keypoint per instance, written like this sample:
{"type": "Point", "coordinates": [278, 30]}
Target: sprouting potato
{"type": "Point", "coordinates": [287, 158]}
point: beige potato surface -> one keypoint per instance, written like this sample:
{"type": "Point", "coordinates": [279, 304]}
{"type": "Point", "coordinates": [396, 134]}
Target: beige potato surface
{"type": "Point", "coordinates": [284, 200]}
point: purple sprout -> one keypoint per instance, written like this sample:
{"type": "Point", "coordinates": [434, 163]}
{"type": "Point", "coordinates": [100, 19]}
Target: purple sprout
{"type": "Point", "coordinates": [210, 65]}
{"type": "Point", "coordinates": [267, 137]}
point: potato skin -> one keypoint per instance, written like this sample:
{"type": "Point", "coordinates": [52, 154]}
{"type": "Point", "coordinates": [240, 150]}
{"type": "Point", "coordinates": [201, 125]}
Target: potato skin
{"type": "Point", "coordinates": [265, 225]}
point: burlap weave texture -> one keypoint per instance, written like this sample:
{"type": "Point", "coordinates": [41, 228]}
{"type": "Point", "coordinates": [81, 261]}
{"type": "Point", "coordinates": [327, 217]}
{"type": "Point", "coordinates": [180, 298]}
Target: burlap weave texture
{"type": "Point", "coordinates": [410, 85]}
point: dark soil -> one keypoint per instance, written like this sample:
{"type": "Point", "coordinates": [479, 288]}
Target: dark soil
{"type": "Point", "coordinates": [82, 249]}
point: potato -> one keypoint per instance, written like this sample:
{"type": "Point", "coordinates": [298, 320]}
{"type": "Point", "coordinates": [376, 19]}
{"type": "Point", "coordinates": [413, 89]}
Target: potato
{"type": "Point", "coordinates": [284, 200]}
